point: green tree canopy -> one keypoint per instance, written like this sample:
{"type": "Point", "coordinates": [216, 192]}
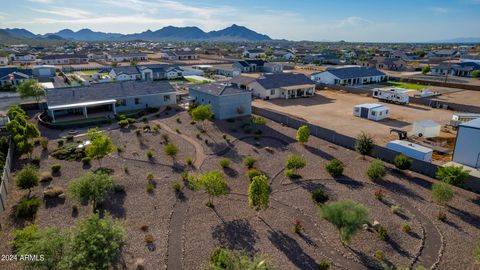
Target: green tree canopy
{"type": "Point", "coordinates": [259, 193]}
{"type": "Point", "coordinates": [476, 74]}
{"type": "Point", "coordinates": [21, 130]}
{"type": "Point", "coordinates": [214, 184]}
{"type": "Point", "coordinates": [295, 162]}
{"type": "Point", "coordinates": [453, 175]}
{"type": "Point", "coordinates": [30, 88]}
{"type": "Point", "coordinates": [426, 69]}
{"type": "Point", "coordinates": [91, 188]}
{"type": "Point", "coordinates": [171, 150]}
{"type": "Point", "coordinates": [403, 162]}
{"type": "Point", "coordinates": [100, 145]}
{"type": "Point", "coordinates": [442, 193]}
{"type": "Point", "coordinates": [94, 244]}
{"type": "Point", "coordinates": [202, 113]}
{"type": "Point", "coordinates": [48, 242]}
{"type": "Point", "coordinates": [347, 216]}
{"type": "Point", "coordinates": [223, 259]}
{"type": "Point", "coordinates": [303, 133]}
{"type": "Point", "coordinates": [27, 178]}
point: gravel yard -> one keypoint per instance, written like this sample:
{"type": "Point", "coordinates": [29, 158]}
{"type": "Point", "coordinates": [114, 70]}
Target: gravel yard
{"type": "Point", "coordinates": [185, 231]}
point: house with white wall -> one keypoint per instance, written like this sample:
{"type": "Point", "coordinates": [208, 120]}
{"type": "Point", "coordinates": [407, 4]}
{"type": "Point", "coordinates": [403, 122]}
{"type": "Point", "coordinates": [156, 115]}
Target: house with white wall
{"type": "Point", "coordinates": [467, 144]}
{"type": "Point", "coordinates": [349, 76]}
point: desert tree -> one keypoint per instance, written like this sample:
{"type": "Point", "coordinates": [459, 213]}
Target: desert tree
{"type": "Point", "coordinates": [303, 133]}
{"type": "Point", "coordinates": [259, 193]}
{"type": "Point", "coordinates": [442, 193]}
{"type": "Point", "coordinates": [31, 89]}
{"type": "Point", "coordinates": [27, 178]}
{"type": "Point", "coordinates": [100, 145]}
{"type": "Point", "coordinates": [214, 184]}
{"type": "Point", "coordinates": [202, 113]}
{"type": "Point", "coordinates": [171, 150]}
{"type": "Point", "coordinates": [91, 188]}
{"type": "Point", "coordinates": [453, 175]}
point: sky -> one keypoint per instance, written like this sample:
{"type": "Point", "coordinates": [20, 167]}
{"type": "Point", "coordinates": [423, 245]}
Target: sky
{"type": "Point", "coordinates": [316, 20]}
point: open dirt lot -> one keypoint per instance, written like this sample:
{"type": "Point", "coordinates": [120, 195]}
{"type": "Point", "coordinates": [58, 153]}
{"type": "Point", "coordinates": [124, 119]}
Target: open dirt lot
{"type": "Point", "coordinates": [333, 110]}
{"type": "Point", "coordinates": [185, 231]}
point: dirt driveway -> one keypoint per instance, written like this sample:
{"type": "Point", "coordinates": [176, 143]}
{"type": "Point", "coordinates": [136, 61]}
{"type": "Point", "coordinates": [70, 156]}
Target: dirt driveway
{"type": "Point", "coordinates": [333, 110]}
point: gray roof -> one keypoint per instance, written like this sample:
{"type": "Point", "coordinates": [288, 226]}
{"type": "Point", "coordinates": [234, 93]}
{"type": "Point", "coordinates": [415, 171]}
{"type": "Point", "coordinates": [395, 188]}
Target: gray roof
{"type": "Point", "coordinates": [129, 70]}
{"type": "Point", "coordinates": [242, 80]}
{"type": "Point", "coordinates": [218, 89]}
{"type": "Point", "coordinates": [355, 72]}
{"type": "Point", "coordinates": [473, 123]}
{"type": "Point", "coordinates": [105, 91]}
{"type": "Point", "coordinates": [277, 80]}
{"type": "Point", "coordinates": [63, 56]}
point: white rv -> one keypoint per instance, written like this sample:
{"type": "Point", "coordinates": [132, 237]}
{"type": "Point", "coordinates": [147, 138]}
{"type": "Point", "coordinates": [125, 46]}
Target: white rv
{"type": "Point", "coordinates": [372, 111]}
{"type": "Point", "coordinates": [393, 95]}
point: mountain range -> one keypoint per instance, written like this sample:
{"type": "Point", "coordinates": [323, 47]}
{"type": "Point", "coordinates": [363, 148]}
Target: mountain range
{"type": "Point", "coordinates": [169, 33]}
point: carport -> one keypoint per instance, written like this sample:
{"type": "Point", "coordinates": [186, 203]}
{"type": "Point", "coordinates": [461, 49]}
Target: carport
{"type": "Point", "coordinates": [72, 111]}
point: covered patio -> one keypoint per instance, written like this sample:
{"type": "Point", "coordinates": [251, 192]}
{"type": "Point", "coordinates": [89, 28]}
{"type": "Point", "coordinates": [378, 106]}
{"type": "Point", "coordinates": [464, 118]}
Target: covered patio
{"type": "Point", "coordinates": [84, 110]}
{"type": "Point", "coordinates": [298, 91]}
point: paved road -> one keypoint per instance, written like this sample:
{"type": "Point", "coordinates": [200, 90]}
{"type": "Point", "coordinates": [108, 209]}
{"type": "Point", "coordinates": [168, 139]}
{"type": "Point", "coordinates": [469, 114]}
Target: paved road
{"type": "Point", "coordinates": [7, 100]}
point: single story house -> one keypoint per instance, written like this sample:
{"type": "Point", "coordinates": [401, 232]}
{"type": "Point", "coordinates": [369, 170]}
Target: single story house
{"type": "Point", "coordinates": [64, 59]}
{"type": "Point", "coordinates": [127, 57]}
{"type": "Point", "coordinates": [467, 144]}
{"type": "Point", "coordinates": [463, 69]}
{"type": "Point", "coordinates": [14, 76]}
{"type": "Point", "coordinates": [254, 53]}
{"type": "Point", "coordinates": [107, 99]}
{"type": "Point", "coordinates": [126, 73]}
{"type": "Point", "coordinates": [257, 65]}
{"type": "Point", "coordinates": [386, 63]}
{"type": "Point", "coordinates": [22, 57]}
{"type": "Point", "coordinates": [277, 85]}
{"type": "Point", "coordinates": [180, 55]}
{"type": "Point", "coordinates": [321, 59]}
{"type": "Point", "coordinates": [283, 55]}
{"type": "Point", "coordinates": [349, 76]}
{"type": "Point", "coordinates": [227, 101]}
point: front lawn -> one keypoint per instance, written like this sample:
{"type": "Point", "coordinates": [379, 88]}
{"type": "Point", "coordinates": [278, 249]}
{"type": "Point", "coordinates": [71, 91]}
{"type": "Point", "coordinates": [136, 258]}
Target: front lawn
{"type": "Point", "coordinates": [411, 86]}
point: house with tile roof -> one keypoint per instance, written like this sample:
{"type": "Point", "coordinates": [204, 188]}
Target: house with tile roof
{"type": "Point", "coordinates": [277, 85]}
{"type": "Point", "coordinates": [107, 99]}
{"type": "Point", "coordinates": [349, 76]}
{"type": "Point", "coordinates": [227, 101]}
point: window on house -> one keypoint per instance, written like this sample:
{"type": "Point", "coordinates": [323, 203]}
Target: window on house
{"type": "Point", "coordinates": [272, 92]}
{"type": "Point", "coordinates": [138, 101]}
{"type": "Point", "coordinates": [373, 113]}
{"type": "Point", "coordinates": [122, 102]}
{"type": "Point", "coordinates": [166, 98]}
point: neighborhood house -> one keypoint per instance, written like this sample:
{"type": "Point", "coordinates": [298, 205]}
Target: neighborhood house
{"type": "Point", "coordinates": [349, 76]}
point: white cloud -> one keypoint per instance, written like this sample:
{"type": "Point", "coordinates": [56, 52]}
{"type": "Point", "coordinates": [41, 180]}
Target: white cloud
{"type": "Point", "coordinates": [65, 12]}
{"type": "Point", "coordinates": [440, 10]}
{"type": "Point", "coordinates": [351, 22]}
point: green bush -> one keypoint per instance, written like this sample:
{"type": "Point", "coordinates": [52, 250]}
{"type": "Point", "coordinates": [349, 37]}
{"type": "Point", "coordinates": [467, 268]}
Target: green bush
{"type": "Point", "coordinates": [402, 162]}
{"type": "Point", "coordinates": [347, 216]}
{"type": "Point", "coordinates": [149, 154]}
{"type": "Point", "coordinates": [225, 163]}
{"type": "Point", "coordinates": [476, 251]}
{"type": "Point", "coordinates": [452, 175]}
{"type": "Point", "coordinates": [442, 193]}
{"type": "Point", "coordinates": [27, 208]}
{"type": "Point", "coordinates": [56, 168]}
{"type": "Point", "coordinates": [324, 265]}
{"type": "Point", "coordinates": [334, 168]}
{"type": "Point", "coordinates": [123, 123]}
{"type": "Point", "coordinates": [221, 259]}
{"type": "Point", "coordinates": [69, 151]}
{"type": "Point", "coordinates": [295, 162]}
{"type": "Point", "coordinates": [188, 161]}
{"type": "Point", "coordinates": [27, 177]}
{"type": "Point", "coordinates": [150, 188]}
{"type": "Point", "coordinates": [249, 161]}
{"type": "Point", "coordinates": [406, 228]}
{"type": "Point", "coordinates": [176, 186]}
{"type": "Point", "coordinates": [291, 173]}
{"type": "Point", "coordinates": [376, 170]}
{"type": "Point", "coordinates": [44, 143]}
{"type": "Point", "coordinates": [319, 195]}
{"type": "Point", "coordinates": [382, 233]}
{"type": "Point", "coordinates": [364, 144]}
{"type": "Point", "coordinates": [251, 173]}
{"type": "Point", "coordinates": [171, 150]}
{"type": "Point", "coordinates": [379, 255]}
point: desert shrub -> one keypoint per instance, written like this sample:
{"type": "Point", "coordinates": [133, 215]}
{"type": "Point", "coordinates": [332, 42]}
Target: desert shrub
{"type": "Point", "coordinates": [476, 251]}
{"type": "Point", "coordinates": [221, 259]}
{"type": "Point", "coordinates": [27, 177]}
{"type": "Point", "coordinates": [249, 161]}
{"type": "Point", "coordinates": [52, 192]}
{"type": "Point", "coordinates": [334, 168]}
{"type": "Point", "coordinates": [27, 208]}
{"type": "Point", "coordinates": [123, 123]}
{"type": "Point", "coordinates": [171, 150]}
{"type": "Point", "coordinates": [46, 177]}
{"type": "Point", "coordinates": [149, 187]}
{"type": "Point", "coordinates": [150, 177]}
{"type": "Point", "coordinates": [178, 131]}
{"type": "Point", "coordinates": [297, 226]}
{"type": "Point", "coordinates": [179, 120]}
{"type": "Point", "coordinates": [382, 233]}
{"type": "Point", "coordinates": [319, 195]}
{"type": "Point", "coordinates": [189, 161]}
{"type": "Point", "coordinates": [60, 143]}
{"type": "Point", "coordinates": [442, 193]}
{"type": "Point", "coordinates": [44, 143]}
{"type": "Point", "coordinates": [91, 188]}
{"type": "Point", "coordinates": [118, 188]}
{"type": "Point", "coordinates": [395, 209]}
{"type": "Point", "coordinates": [165, 137]}
{"type": "Point", "coordinates": [324, 265]}
{"type": "Point", "coordinates": [144, 228]}
{"type": "Point", "coordinates": [442, 216]}
{"type": "Point", "coordinates": [347, 216]}
{"type": "Point", "coordinates": [452, 175]}
{"type": "Point", "coordinates": [406, 228]}
{"type": "Point", "coordinates": [379, 255]}
{"type": "Point", "coordinates": [251, 173]}
{"type": "Point", "coordinates": [364, 144]}
{"type": "Point", "coordinates": [258, 120]}
{"type": "Point", "coordinates": [303, 133]}
{"type": "Point", "coordinates": [376, 170]}
{"type": "Point", "coordinates": [69, 138]}
{"type": "Point", "coordinates": [56, 168]}
{"type": "Point", "coordinates": [149, 239]}
{"type": "Point", "coordinates": [295, 162]}
{"type": "Point", "coordinates": [149, 154]}
{"type": "Point", "coordinates": [144, 118]}
{"type": "Point", "coordinates": [86, 161]}
{"type": "Point", "coordinates": [176, 186]}
{"type": "Point", "coordinates": [290, 173]}
{"type": "Point", "coordinates": [225, 163]}
{"type": "Point", "coordinates": [69, 151]}
{"type": "Point", "coordinates": [379, 194]}
{"type": "Point", "coordinates": [402, 162]}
